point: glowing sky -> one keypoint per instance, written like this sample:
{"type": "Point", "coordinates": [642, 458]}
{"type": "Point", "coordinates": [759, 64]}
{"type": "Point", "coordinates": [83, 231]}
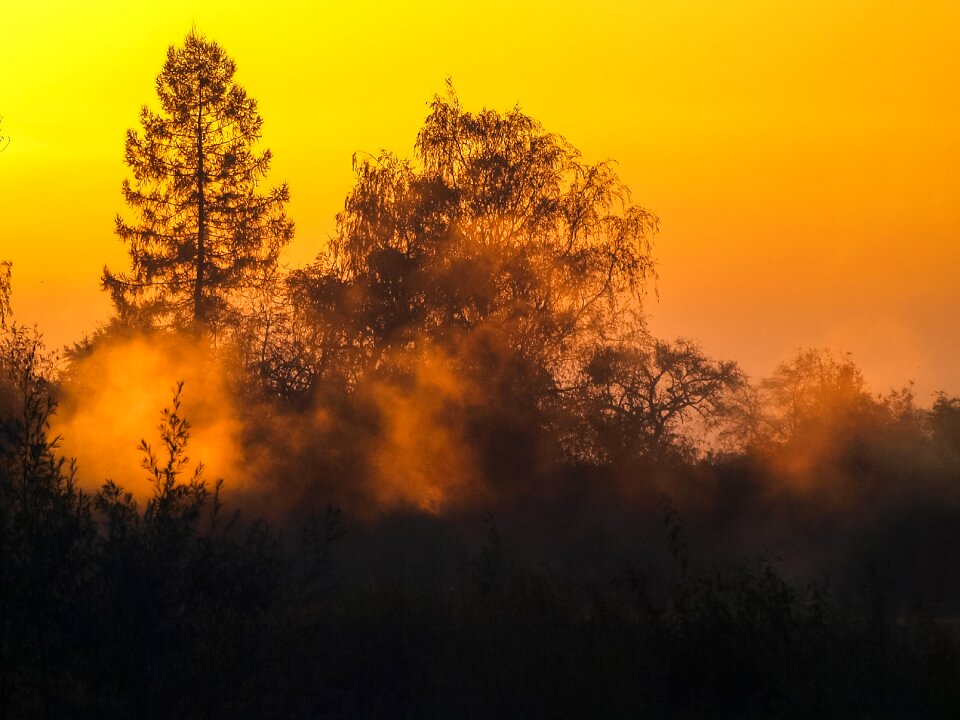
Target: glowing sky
{"type": "Point", "coordinates": [804, 157]}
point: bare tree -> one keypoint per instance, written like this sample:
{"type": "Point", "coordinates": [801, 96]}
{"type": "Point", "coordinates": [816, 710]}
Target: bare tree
{"type": "Point", "coordinates": [637, 395]}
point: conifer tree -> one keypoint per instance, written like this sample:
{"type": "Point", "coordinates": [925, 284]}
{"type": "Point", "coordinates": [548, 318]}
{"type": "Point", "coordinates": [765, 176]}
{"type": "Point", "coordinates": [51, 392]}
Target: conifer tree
{"type": "Point", "coordinates": [203, 235]}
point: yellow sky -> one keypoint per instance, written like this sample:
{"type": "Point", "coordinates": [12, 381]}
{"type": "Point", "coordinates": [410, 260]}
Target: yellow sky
{"type": "Point", "coordinates": [804, 157]}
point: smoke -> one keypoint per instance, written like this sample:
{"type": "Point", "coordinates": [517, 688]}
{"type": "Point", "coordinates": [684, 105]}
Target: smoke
{"type": "Point", "coordinates": [397, 441]}
{"type": "Point", "coordinates": [446, 435]}
{"type": "Point", "coordinates": [399, 444]}
{"type": "Point", "coordinates": [112, 399]}
{"type": "Point", "coordinates": [421, 457]}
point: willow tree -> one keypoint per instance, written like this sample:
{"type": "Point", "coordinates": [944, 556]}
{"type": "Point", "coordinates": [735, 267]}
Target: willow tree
{"type": "Point", "coordinates": [203, 236]}
{"type": "Point", "coordinates": [489, 262]}
{"type": "Point", "coordinates": [497, 228]}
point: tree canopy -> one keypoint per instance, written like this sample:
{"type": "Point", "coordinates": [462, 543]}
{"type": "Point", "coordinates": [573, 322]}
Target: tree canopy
{"type": "Point", "coordinates": [497, 233]}
{"type": "Point", "coordinates": [635, 396]}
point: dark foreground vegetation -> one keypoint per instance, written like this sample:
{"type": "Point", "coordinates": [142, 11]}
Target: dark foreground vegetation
{"type": "Point", "coordinates": [568, 607]}
{"type": "Point", "coordinates": [469, 481]}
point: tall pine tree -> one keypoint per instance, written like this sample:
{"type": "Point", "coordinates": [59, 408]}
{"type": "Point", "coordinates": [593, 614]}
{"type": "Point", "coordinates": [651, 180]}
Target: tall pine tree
{"type": "Point", "coordinates": [203, 236]}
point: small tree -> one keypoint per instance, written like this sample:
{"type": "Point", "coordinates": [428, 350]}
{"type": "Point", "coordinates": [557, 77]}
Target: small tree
{"type": "Point", "coordinates": [815, 392]}
{"type": "Point", "coordinates": [945, 421]}
{"type": "Point", "coordinates": [203, 233]}
{"type": "Point", "coordinates": [5, 310]}
{"type": "Point", "coordinates": [175, 503]}
{"type": "Point", "coordinates": [637, 395]}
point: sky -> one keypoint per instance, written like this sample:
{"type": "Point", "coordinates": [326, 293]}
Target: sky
{"type": "Point", "coordinates": [803, 157]}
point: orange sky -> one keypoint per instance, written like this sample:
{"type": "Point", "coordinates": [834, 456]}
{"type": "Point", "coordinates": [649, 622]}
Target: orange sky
{"type": "Point", "coordinates": [804, 157]}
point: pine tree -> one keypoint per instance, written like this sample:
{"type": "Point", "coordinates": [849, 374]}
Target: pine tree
{"type": "Point", "coordinates": [203, 236]}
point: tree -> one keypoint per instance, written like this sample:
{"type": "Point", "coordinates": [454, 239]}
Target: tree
{"type": "Point", "coordinates": [47, 536]}
{"type": "Point", "coordinates": [5, 309]}
{"type": "Point", "coordinates": [498, 232]}
{"type": "Point", "coordinates": [637, 394]}
{"type": "Point", "coordinates": [815, 392]}
{"type": "Point", "coordinates": [5, 266]}
{"type": "Point", "coordinates": [945, 421]}
{"type": "Point", "coordinates": [492, 258]}
{"type": "Point", "coordinates": [204, 235]}
{"type": "Point", "coordinates": [815, 422]}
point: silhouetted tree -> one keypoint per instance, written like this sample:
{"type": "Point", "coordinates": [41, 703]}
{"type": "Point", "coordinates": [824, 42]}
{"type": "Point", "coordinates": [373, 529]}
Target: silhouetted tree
{"type": "Point", "coordinates": [945, 421]}
{"type": "Point", "coordinates": [204, 234]}
{"type": "Point", "coordinates": [638, 394]}
{"type": "Point", "coordinates": [315, 336]}
{"type": "Point", "coordinates": [496, 254]}
{"type": "Point", "coordinates": [815, 422]}
{"type": "Point", "coordinates": [813, 392]}
{"type": "Point", "coordinates": [5, 310]}
{"type": "Point", "coordinates": [497, 233]}
{"type": "Point", "coordinates": [497, 222]}
{"type": "Point", "coordinates": [178, 585]}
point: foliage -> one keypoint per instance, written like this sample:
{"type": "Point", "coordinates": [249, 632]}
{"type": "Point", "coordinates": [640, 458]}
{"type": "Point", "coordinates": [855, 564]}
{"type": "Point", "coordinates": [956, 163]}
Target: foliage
{"type": "Point", "coordinates": [496, 230]}
{"type": "Point", "coordinates": [5, 310]}
{"type": "Point", "coordinates": [112, 609]}
{"type": "Point", "coordinates": [945, 421]}
{"type": "Point", "coordinates": [174, 501]}
{"type": "Point", "coordinates": [496, 259]}
{"type": "Point", "coordinates": [637, 396]}
{"type": "Point", "coordinates": [812, 387]}
{"type": "Point", "coordinates": [813, 395]}
{"type": "Point", "coordinates": [204, 236]}
{"type": "Point", "coordinates": [46, 535]}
